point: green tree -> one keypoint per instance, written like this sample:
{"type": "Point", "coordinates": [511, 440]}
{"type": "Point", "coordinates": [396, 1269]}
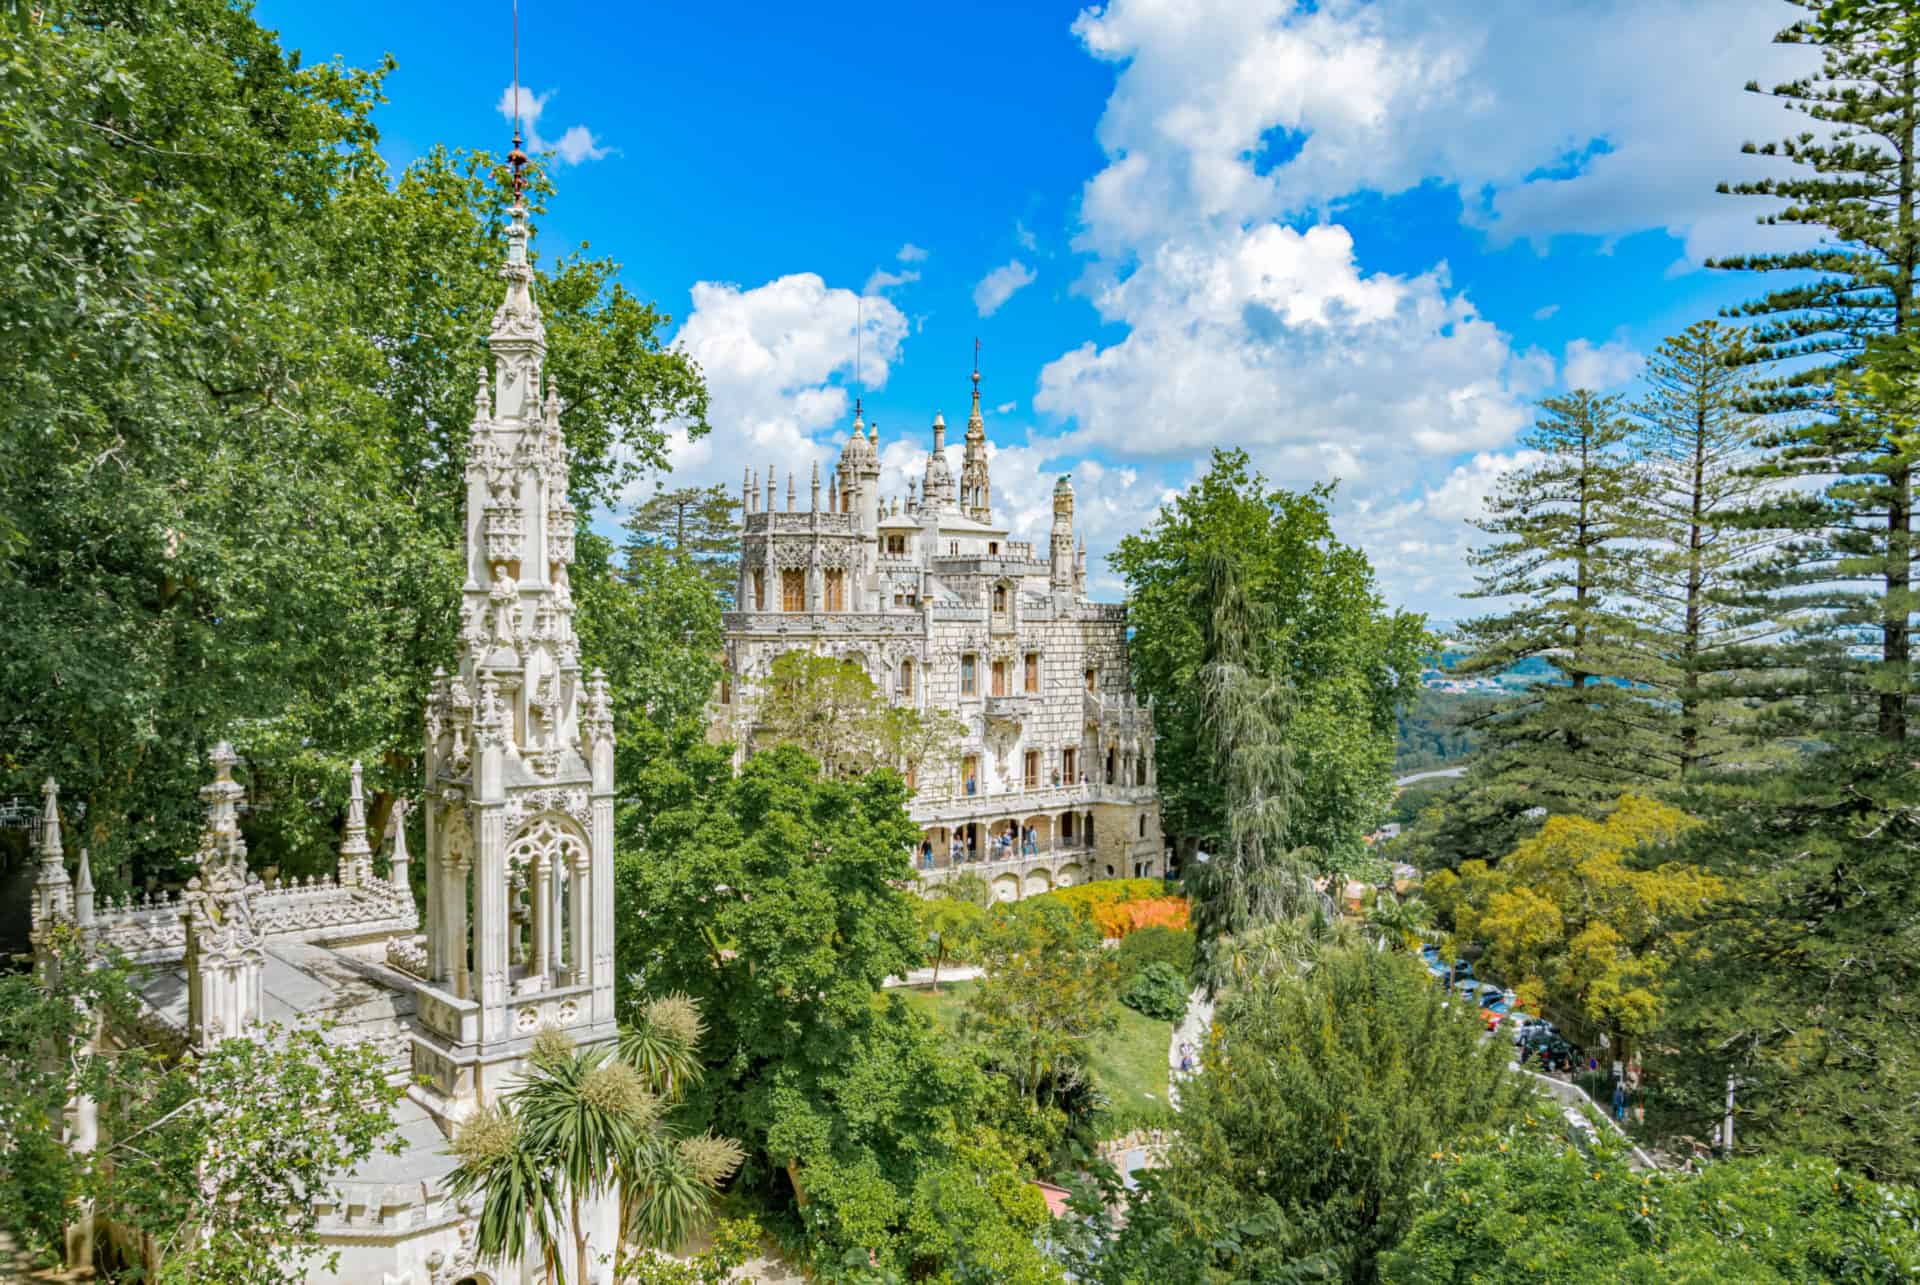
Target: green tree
{"type": "Point", "coordinates": [1254, 878]}
{"type": "Point", "coordinates": [1846, 572]}
{"type": "Point", "coordinates": [211, 1162]}
{"type": "Point", "coordinates": [1580, 918]}
{"type": "Point", "coordinates": [1525, 1206]}
{"type": "Point", "coordinates": [830, 707]}
{"type": "Point", "coordinates": [1694, 444]}
{"type": "Point", "coordinates": [1798, 989]}
{"type": "Point", "coordinates": [654, 626]}
{"type": "Point", "coordinates": [1047, 994]}
{"type": "Point", "coordinates": [951, 925]}
{"type": "Point", "coordinates": [697, 525]}
{"type": "Point", "coordinates": [1346, 661]}
{"type": "Point", "coordinates": [1562, 530]}
{"type": "Point", "coordinates": [1325, 1104]}
{"type": "Point", "coordinates": [590, 1122]}
{"type": "Point", "coordinates": [236, 360]}
{"type": "Point", "coordinates": [780, 900]}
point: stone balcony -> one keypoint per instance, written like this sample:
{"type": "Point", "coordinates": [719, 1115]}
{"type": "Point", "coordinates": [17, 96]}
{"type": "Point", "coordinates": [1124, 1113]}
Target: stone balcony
{"type": "Point", "coordinates": [1011, 709]}
{"type": "Point", "coordinates": [946, 807]}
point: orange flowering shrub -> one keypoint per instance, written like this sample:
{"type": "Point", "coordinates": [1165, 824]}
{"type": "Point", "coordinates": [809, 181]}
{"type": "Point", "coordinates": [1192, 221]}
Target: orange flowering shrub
{"type": "Point", "coordinates": [1131, 916]}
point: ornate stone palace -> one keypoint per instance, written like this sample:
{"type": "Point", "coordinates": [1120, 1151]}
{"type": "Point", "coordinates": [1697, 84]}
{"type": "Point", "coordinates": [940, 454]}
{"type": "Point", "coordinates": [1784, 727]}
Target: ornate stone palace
{"type": "Point", "coordinates": [518, 812]}
{"type": "Point", "coordinates": [1053, 783]}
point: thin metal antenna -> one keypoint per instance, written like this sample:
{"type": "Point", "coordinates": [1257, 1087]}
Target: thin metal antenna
{"type": "Point", "coordinates": [859, 325]}
{"type": "Point", "coordinates": [517, 158]}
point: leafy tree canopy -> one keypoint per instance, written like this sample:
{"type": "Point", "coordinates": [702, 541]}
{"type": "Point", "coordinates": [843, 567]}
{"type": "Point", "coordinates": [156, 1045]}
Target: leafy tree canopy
{"type": "Point", "coordinates": [1579, 918]}
{"type": "Point", "coordinates": [1526, 1206]}
{"type": "Point", "coordinates": [1347, 660]}
{"type": "Point", "coordinates": [1325, 1103]}
{"type": "Point", "coordinates": [237, 362]}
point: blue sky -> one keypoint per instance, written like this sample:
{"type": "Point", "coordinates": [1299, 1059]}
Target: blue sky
{"type": "Point", "coordinates": [1358, 239]}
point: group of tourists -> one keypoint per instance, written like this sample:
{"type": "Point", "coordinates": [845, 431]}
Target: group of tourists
{"type": "Point", "coordinates": [1001, 849]}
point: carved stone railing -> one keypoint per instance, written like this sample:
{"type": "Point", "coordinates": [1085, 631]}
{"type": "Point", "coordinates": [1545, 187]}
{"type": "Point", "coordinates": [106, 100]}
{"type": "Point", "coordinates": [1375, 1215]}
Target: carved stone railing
{"type": "Point", "coordinates": [447, 1015]}
{"type": "Point", "coordinates": [799, 522]}
{"type": "Point", "coordinates": [821, 622]}
{"type": "Point", "coordinates": [146, 931]}
{"type": "Point", "coordinates": [322, 910]}
{"type": "Point", "coordinates": [1011, 709]}
{"type": "Point", "coordinates": [559, 1008]}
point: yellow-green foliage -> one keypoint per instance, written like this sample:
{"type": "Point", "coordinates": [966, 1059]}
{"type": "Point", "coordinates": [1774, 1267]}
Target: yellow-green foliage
{"type": "Point", "coordinates": [1105, 892]}
{"type": "Point", "coordinates": [1579, 916]}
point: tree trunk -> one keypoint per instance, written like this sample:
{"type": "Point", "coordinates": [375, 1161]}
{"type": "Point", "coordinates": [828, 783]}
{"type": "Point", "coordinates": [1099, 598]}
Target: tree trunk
{"type": "Point", "coordinates": [1690, 644]}
{"type": "Point", "coordinates": [1896, 648]}
{"type": "Point", "coordinates": [579, 1240]}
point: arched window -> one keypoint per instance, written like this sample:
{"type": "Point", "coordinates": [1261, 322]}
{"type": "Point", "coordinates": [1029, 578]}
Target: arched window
{"type": "Point", "coordinates": [999, 597]}
{"type": "Point", "coordinates": [903, 684]}
{"type": "Point", "coordinates": [1143, 825]}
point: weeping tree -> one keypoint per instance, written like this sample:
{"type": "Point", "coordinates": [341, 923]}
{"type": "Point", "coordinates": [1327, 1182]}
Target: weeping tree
{"type": "Point", "coordinates": [1257, 877]}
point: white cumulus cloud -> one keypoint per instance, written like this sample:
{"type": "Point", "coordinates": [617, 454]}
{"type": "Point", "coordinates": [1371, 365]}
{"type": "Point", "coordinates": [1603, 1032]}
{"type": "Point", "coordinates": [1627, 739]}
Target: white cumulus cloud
{"type": "Point", "coordinates": [1601, 367]}
{"type": "Point", "coordinates": [1000, 285]}
{"type": "Point", "coordinates": [910, 253]}
{"type": "Point", "coordinates": [774, 358]}
{"type": "Point", "coordinates": [576, 143]}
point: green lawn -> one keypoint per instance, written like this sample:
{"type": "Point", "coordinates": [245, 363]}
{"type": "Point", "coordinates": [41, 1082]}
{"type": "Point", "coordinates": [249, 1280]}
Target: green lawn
{"type": "Point", "coordinates": [1130, 1065]}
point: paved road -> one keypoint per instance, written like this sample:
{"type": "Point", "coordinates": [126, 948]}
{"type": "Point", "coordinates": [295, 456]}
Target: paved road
{"type": "Point", "coordinates": [1193, 1029]}
{"type": "Point", "coordinates": [1429, 775]}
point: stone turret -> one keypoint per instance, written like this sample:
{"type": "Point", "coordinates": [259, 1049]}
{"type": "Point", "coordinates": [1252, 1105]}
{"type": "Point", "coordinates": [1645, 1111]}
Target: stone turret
{"type": "Point", "coordinates": [976, 490]}
{"type": "Point", "coordinates": [1060, 563]}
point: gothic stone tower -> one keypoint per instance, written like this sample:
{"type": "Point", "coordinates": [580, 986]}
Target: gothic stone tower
{"type": "Point", "coordinates": [519, 798]}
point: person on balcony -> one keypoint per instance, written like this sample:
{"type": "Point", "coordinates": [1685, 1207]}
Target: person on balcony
{"type": "Point", "coordinates": [969, 785]}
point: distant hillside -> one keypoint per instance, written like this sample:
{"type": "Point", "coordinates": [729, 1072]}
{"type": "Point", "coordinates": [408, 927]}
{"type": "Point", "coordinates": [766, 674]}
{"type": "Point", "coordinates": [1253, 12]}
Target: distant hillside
{"type": "Point", "coordinates": [1431, 732]}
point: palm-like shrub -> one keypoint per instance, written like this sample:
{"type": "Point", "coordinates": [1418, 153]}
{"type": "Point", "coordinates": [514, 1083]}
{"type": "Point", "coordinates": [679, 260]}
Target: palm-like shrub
{"type": "Point", "coordinates": [586, 1122]}
{"type": "Point", "coordinates": [515, 1184]}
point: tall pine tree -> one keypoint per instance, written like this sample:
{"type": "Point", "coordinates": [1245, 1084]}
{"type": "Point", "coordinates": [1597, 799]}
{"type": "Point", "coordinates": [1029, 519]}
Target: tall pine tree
{"type": "Point", "coordinates": [1695, 444]}
{"type": "Point", "coordinates": [1843, 582]}
{"type": "Point", "coordinates": [1563, 532]}
{"type": "Point", "coordinates": [697, 523]}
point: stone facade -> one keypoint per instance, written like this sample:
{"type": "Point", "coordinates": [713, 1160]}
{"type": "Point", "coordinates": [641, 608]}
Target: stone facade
{"type": "Point", "coordinates": [519, 867]}
{"type": "Point", "coordinates": [946, 612]}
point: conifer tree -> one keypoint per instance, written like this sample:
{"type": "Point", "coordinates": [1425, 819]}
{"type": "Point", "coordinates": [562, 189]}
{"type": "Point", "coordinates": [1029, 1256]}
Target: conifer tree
{"type": "Point", "coordinates": [1563, 530]}
{"type": "Point", "coordinates": [1846, 576]}
{"type": "Point", "coordinates": [697, 523]}
{"type": "Point", "coordinates": [1694, 444]}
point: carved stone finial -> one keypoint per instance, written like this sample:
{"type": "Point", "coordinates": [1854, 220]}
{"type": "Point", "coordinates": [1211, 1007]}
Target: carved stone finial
{"type": "Point", "coordinates": [356, 858]}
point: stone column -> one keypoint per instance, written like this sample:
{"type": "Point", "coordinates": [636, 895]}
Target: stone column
{"type": "Point", "coordinates": [490, 918]}
{"type": "Point", "coordinates": [453, 882]}
{"type": "Point", "coordinates": [580, 957]}
{"type": "Point", "coordinates": [541, 906]}
{"type": "Point", "coordinates": [436, 903]}
{"type": "Point", "coordinates": [602, 903]}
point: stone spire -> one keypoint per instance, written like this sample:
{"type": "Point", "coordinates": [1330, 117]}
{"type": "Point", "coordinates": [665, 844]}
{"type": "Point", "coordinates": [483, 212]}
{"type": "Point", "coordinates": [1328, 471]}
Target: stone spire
{"type": "Point", "coordinates": [936, 488]}
{"type": "Point", "coordinates": [399, 874]}
{"type": "Point", "coordinates": [746, 490]}
{"type": "Point", "coordinates": [976, 491]}
{"type": "Point", "coordinates": [519, 761]}
{"type": "Point", "coordinates": [792, 490]}
{"type": "Point", "coordinates": [356, 858]}
{"type": "Point", "coordinates": [814, 504]}
{"type": "Point", "coordinates": [52, 888]}
{"type": "Point", "coordinates": [83, 892]}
